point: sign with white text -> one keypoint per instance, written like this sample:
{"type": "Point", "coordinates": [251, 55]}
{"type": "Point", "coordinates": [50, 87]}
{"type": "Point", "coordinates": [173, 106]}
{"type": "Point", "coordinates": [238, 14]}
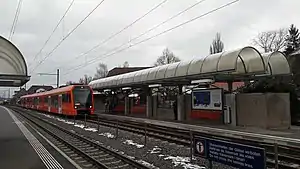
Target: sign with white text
{"type": "Point", "coordinates": [231, 154]}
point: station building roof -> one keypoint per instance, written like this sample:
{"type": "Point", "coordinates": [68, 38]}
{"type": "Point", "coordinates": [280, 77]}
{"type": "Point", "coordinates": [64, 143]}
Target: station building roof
{"type": "Point", "coordinates": [243, 63]}
{"type": "Point", "coordinates": [13, 68]}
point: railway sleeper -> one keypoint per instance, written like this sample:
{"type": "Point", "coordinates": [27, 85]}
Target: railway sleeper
{"type": "Point", "coordinates": [113, 163]}
{"type": "Point", "coordinates": [92, 150]}
{"type": "Point", "coordinates": [120, 166]}
{"type": "Point", "coordinates": [106, 159]}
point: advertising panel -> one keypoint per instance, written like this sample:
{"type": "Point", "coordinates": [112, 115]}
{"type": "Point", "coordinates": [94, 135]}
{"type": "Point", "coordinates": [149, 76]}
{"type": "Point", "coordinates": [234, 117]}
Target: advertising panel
{"type": "Point", "coordinates": [207, 99]}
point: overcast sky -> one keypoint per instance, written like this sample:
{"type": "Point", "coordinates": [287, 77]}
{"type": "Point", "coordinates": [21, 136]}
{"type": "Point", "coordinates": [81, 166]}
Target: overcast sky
{"type": "Point", "coordinates": [238, 24]}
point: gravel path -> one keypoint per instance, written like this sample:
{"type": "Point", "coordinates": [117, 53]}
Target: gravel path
{"type": "Point", "coordinates": [155, 153]}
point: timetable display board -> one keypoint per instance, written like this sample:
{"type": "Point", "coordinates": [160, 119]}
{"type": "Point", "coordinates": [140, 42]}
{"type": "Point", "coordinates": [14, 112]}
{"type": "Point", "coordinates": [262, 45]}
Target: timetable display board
{"type": "Point", "coordinates": [207, 99]}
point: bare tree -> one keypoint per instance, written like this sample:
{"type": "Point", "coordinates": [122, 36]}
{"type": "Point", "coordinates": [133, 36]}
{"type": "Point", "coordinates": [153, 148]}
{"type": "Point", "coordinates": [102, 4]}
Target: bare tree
{"type": "Point", "coordinates": [101, 71]}
{"type": "Point", "coordinates": [167, 57]}
{"type": "Point", "coordinates": [85, 80]}
{"type": "Point", "coordinates": [217, 45]}
{"type": "Point", "coordinates": [125, 64]}
{"type": "Point", "coordinates": [271, 41]}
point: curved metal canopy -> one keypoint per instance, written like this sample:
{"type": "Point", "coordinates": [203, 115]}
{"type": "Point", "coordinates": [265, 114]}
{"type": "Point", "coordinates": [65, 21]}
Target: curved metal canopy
{"type": "Point", "coordinates": [238, 63]}
{"type": "Point", "coordinates": [13, 68]}
{"type": "Point", "coordinates": [276, 63]}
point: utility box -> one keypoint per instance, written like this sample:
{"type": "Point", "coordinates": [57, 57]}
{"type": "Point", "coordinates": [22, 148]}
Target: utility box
{"type": "Point", "coordinates": [230, 109]}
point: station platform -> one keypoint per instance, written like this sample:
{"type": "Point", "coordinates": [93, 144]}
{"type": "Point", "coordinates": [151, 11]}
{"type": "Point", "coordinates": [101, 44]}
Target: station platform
{"type": "Point", "coordinates": [21, 148]}
{"type": "Point", "coordinates": [283, 136]}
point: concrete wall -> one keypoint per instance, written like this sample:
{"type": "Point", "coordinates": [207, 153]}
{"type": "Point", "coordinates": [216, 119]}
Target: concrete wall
{"type": "Point", "coordinates": [99, 105]}
{"type": "Point", "coordinates": [264, 110]}
{"type": "Point", "coordinates": [149, 112]}
{"type": "Point", "coordinates": [278, 106]}
{"type": "Point", "coordinates": [188, 107]}
{"type": "Point", "coordinates": [168, 113]}
{"type": "Point", "coordinates": [165, 114]}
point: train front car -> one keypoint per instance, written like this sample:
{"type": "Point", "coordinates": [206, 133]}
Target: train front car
{"type": "Point", "coordinates": [83, 100]}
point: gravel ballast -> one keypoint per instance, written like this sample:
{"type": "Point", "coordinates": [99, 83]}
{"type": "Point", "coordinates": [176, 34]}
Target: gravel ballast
{"type": "Point", "coordinates": [154, 153]}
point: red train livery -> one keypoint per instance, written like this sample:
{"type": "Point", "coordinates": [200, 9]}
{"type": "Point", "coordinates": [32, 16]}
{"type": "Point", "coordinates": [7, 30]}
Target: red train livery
{"type": "Point", "coordinates": [70, 100]}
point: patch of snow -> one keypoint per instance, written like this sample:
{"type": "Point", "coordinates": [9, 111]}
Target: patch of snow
{"type": "Point", "coordinates": [294, 165]}
{"type": "Point", "coordinates": [47, 115]}
{"type": "Point", "coordinates": [161, 155]}
{"type": "Point", "coordinates": [130, 142]}
{"type": "Point", "coordinates": [128, 156]}
{"type": "Point", "coordinates": [68, 122]}
{"type": "Point", "coordinates": [108, 135]}
{"type": "Point", "coordinates": [79, 125]}
{"type": "Point", "coordinates": [91, 129]}
{"type": "Point", "coordinates": [65, 121]}
{"type": "Point", "coordinates": [183, 161]}
{"type": "Point", "coordinates": [145, 163]}
{"type": "Point", "coordinates": [62, 120]}
{"type": "Point", "coordinates": [155, 150]}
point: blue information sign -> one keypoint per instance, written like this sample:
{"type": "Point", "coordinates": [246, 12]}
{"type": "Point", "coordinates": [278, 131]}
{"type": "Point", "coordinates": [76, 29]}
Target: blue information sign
{"type": "Point", "coordinates": [232, 154]}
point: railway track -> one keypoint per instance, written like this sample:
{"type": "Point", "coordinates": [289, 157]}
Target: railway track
{"type": "Point", "coordinates": [86, 153]}
{"type": "Point", "coordinates": [288, 156]}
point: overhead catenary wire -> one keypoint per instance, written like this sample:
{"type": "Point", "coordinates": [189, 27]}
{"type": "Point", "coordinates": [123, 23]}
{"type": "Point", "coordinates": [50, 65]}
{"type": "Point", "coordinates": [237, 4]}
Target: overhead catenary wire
{"type": "Point", "coordinates": [152, 37]}
{"type": "Point", "coordinates": [68, 35]}
{"type": "Point", "coordinates": [59, 22]}
{"type": "Point", "coordinates": [123, 29]}
{"type": "Point", "coordinates": [15, 21]}
{"type": "Point", "coordinates": [152, 28]}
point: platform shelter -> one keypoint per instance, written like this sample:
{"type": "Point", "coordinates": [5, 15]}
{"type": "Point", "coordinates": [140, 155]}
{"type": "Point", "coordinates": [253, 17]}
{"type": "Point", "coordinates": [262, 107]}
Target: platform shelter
{"type": "Point", "coordinates": [13, 68]}
{"type": "Point", "coordinates": [244, 64]}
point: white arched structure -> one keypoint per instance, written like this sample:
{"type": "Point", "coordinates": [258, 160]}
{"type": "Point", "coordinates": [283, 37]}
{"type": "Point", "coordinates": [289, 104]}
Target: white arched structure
{"type": "Point", "coordinates": [13, 68]}
{"type": "Point", "coordinates": [237, 64]}
{"type": "Point", "coordinates": [276, 63]}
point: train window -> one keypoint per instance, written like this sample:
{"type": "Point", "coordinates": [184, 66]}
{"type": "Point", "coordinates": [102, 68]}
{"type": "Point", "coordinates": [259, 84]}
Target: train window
{"type": "Point", "coordinates": [49, 100]}
{"type": "Point", "coordinates": [66, 98]}
{"type": "Point", "coordinates": [54, 100]}
{"type": "Point", "coordinates": [34, 101]}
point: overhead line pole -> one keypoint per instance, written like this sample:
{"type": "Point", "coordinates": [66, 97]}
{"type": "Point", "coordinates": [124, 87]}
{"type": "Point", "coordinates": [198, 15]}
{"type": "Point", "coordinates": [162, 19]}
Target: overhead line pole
{"type": "Point", "coordinates": [52, 74]}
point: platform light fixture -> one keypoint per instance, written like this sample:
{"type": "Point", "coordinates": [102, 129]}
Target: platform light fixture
{"type": "Point", "coordinates": [203, 81]}
{"type": "Point", "coordinates": [154, 85]}
{"type": "Point", "coordinates": [126, 88]}
{"type": "Point", "coordinates": [107, 90]}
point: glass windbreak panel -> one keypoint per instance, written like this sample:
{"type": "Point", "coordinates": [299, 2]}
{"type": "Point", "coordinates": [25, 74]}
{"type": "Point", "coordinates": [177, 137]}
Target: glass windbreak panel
{"type": "Point", "coordinates": [82, 96]}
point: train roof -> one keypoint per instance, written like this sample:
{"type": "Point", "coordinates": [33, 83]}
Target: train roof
{"type": "Point", "coordinates": [53, 91]}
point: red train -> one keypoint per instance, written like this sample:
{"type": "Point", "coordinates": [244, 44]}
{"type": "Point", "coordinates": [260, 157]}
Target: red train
{"type": "Point", "coordinates": [70, 100]}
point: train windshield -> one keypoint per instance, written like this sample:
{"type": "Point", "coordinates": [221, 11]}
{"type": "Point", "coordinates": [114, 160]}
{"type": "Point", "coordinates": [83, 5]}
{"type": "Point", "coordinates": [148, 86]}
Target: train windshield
{"type": "Point", "coordinates": [82, 96]}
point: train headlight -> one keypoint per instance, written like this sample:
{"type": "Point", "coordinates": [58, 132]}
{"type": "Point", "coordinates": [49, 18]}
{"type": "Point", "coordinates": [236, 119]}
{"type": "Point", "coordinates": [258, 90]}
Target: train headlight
{"type": "Point", "coordinates": [90, 106]}
{"type": "Point", "coordinates": [75, 107]}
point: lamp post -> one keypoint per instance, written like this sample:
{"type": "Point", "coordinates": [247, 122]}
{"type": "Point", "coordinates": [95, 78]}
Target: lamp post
{"type": "Point", "coordinates": [52, 74]}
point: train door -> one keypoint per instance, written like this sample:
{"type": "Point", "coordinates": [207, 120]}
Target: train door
{"type": "Point", "coordinates": [60, 104]}
{"type": "Point", "coordinates": [49, 103]}
{"type": "Point", "coordinates": [37, 102]}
